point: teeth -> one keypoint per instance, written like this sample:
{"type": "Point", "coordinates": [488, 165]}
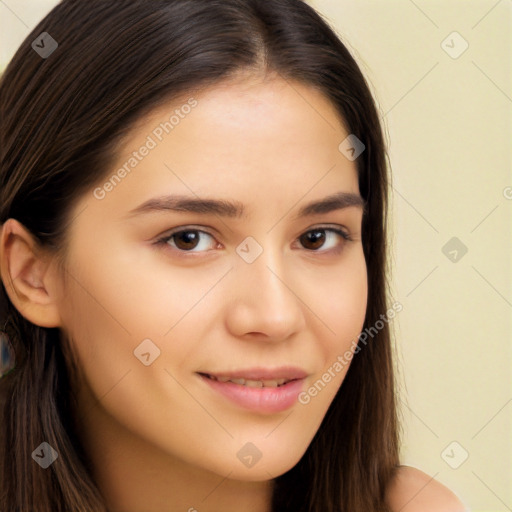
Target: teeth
{"type": "Point", "coordinates": [252, 383]}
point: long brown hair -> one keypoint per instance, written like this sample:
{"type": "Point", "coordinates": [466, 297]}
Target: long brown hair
{"type": "Point", "coordinates": [61, 118]}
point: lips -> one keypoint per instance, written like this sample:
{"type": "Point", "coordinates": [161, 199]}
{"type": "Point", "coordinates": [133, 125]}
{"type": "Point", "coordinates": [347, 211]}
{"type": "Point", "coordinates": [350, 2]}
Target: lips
{"type": "Point", "coordinates": [260, 390]}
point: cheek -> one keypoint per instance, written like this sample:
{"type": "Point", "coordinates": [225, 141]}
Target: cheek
{"type": "Point", "coordinates": [342, 307]}
{"type": "Point", "coordinates": [109, 310]}
{"type": "Point", "coordinates": [344, 302]}
{"type": "Point", "coordinates": [136, 297]}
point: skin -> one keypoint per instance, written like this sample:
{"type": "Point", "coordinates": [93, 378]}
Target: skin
{"type": "Point", "coordinates": [158, 437]}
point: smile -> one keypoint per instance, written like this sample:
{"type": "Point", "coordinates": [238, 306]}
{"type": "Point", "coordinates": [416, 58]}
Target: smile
{"type": "Point", "coordinates": [258, 390]}
{"type": "Point", "coordinates": [251, 383]}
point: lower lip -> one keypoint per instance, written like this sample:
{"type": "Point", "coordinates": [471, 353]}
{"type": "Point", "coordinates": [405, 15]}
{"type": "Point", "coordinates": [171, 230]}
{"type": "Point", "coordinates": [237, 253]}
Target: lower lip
{"type": "Point", "coordinates": [262, 400]}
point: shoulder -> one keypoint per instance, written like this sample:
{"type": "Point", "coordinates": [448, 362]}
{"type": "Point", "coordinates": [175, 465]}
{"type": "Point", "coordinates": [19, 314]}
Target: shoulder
{"type": "Point", "coordinates": [411, 490]}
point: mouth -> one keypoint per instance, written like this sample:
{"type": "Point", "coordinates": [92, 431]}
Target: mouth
{"type": "Point", "coordinates": [258, 390]}
{"type": "Point", "coordinates": [250, 383]}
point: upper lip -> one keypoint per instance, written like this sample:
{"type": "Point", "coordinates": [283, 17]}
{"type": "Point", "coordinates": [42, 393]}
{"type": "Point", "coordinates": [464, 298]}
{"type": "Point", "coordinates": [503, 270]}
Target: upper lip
{"type": "Point", "coordinates": [283, 372]}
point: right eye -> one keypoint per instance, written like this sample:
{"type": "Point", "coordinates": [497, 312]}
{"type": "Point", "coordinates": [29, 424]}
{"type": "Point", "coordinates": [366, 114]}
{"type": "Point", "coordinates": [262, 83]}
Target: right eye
{"type": "Point", "coordinates": [185, 240]}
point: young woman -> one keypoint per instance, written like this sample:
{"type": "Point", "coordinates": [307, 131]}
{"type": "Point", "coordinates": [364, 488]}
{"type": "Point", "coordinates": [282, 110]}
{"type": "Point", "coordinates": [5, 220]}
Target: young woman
{"type": "Point", "coordinates": [193, 212]}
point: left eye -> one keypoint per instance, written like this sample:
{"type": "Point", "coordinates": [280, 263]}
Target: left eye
{"type": "Point", "coordinates": [188, 239]}
{"type": "Point", "coordinates": [318, 237]}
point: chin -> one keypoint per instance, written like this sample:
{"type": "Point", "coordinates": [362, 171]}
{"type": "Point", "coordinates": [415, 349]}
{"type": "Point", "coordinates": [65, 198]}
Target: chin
{"type": "Point", "coordinates": [268, 463]}
{"type": "Point", "coordinates": [253, 462]}
{"type": "Point", "coordinates": [261, 472]}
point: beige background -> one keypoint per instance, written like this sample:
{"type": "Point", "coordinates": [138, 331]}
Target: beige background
{"type": "Point", "coordinates": [449, 127]}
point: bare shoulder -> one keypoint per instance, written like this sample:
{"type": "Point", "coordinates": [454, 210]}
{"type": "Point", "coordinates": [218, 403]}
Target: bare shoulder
{"type": "Point", "coordinates": [413, 490]}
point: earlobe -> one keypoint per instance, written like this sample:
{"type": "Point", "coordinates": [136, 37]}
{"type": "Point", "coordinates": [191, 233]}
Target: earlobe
{"type": "Point", "coordinates": [26, 271]}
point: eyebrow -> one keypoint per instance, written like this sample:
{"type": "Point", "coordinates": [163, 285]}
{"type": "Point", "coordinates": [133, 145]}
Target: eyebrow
{"type": "Point", "coordinates": [235, 209]}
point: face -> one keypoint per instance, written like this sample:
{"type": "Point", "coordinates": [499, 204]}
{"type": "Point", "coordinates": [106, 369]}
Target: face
{"type": "Point", "coordinates": [164, 303]}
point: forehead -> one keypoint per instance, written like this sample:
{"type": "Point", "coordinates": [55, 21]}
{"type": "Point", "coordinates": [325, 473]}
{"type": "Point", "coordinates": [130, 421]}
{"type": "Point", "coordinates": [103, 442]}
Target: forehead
{"type": "Point", "coordinates": [278, 112]}
{"type": "Point", "coordinates": [249, 140]}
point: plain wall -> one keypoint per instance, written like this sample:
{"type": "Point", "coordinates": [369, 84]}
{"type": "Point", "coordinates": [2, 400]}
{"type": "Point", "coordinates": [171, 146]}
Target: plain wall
{"type": "Point", "coordinates": [448, 123]}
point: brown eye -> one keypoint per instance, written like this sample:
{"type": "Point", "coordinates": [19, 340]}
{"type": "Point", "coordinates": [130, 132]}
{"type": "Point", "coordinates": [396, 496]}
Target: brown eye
{"type": "Point", "coordinates": [186, 240]}
{"type": "Point", "coordinates": [316, 238]}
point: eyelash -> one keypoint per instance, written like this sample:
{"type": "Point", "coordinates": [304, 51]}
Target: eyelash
{"type": "Point", "coordinates": [164, 241]}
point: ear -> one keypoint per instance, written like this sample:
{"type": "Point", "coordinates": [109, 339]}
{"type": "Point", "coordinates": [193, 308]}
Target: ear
{"type": "Point", "coordinates": [28, 275]}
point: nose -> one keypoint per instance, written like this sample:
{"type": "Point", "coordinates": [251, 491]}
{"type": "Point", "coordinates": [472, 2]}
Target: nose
{"type": "Point", "coordinates": [266, 302]}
